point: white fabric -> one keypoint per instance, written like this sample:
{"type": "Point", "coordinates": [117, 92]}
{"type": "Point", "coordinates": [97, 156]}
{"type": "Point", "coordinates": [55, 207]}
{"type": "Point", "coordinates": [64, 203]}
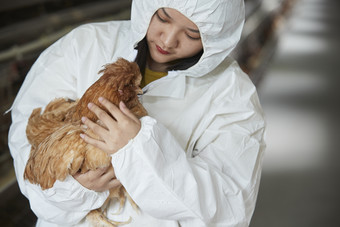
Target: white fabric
{"type": "Point", "coordinates": [197, 158]}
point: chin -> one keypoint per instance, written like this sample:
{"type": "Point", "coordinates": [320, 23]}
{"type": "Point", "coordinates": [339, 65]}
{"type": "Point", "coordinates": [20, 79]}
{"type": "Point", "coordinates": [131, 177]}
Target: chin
{"type": "Point", "coordinates": [161, 59]}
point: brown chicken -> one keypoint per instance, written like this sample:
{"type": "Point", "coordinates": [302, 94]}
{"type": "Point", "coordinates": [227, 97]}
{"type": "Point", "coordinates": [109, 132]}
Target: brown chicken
{"type": "Point", "coordinates": [56, 147]}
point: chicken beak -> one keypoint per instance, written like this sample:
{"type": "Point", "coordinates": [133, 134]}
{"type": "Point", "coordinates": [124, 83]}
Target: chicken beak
{"type": "Point", "coordinates": [139, 91]}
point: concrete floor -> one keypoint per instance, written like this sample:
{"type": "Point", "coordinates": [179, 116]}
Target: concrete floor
{"type": "Point", "coordinates": [300, 95]}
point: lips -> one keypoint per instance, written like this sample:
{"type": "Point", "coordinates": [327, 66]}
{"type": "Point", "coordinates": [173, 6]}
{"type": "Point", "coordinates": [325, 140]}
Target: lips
{"type": "Point", "coordinates": [160, 50]}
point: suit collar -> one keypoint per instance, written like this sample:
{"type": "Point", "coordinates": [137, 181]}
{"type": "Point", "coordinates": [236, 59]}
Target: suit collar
{"type": "Point", "coordinates": [172, 85]}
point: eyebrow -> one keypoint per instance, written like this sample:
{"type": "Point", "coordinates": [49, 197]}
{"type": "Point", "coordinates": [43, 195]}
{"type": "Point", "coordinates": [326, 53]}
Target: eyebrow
{"type": "Point", "coordinates": [190, 29]}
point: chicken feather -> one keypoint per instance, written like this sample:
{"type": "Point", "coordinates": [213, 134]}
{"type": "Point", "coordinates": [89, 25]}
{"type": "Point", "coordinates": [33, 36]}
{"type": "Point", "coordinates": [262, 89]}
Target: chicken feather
{"type": "Point", "coordinates": [54, 134]}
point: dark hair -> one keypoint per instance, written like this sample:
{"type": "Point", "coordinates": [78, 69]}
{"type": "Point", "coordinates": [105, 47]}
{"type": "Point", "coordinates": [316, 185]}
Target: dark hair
{"type": "Point", "coordinates": [143, 53]}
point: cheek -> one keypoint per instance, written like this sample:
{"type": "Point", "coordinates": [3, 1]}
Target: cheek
{"type": "Point", "coordinates": [153, 30]}
{"type": "Point", "coordinates": [192, 48]}
{"type": "Point", "coordinates": [149, 34]}
{"type": "Point", "coordinates": [198, 47]}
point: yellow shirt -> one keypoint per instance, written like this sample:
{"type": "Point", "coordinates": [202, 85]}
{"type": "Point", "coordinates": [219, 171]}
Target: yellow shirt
{"type": "Point", "coordinates": [150, 76]}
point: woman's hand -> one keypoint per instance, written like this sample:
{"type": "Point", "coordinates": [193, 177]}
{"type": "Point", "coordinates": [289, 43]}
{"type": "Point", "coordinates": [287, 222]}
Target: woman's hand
{"type": "Point", "coordinates": [98, 180]}
{"type": "Point", "coordinates": [118, 130]}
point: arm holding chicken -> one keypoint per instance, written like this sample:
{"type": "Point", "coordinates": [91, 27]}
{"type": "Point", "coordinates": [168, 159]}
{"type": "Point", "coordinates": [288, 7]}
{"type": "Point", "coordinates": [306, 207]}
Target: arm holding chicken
{"type": "Point", "coordinates": [116, 135]}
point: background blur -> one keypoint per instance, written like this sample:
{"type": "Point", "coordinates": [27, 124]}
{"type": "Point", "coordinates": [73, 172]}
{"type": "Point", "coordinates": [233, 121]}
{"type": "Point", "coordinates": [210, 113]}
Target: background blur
{"type": "Point", "coordinates": [289, 48]}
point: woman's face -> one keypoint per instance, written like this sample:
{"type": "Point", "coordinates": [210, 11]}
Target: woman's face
{"type": "Point", "coordinates": [171, 36]}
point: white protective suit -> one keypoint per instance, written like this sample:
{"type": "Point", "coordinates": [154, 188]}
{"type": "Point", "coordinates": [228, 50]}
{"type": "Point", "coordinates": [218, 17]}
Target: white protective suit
{"type": "Point", "coordinates": [197, 158]}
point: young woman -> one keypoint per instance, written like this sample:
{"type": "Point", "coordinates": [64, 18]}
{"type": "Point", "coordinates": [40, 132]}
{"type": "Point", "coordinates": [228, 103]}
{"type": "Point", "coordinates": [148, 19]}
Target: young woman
{"type": "Point", "coordinates": [196, 159]}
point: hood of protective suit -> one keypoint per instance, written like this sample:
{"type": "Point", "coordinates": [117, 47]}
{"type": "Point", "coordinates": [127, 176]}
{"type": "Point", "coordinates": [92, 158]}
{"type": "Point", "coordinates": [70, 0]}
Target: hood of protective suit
{"type": "Point", "coordinates": [220, 23]}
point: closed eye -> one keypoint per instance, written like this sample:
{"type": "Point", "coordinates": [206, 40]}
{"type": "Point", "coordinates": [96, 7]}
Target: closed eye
{"type": "Point", "coordinates": [193, 38]}
{"type": "Point", "coordinates": [160, 18]}
{"type": "Point", "coordinates": [193, 34]}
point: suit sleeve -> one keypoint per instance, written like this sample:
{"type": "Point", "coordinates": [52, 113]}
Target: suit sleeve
{"type": "Point", "coordinates": [53, 75]}
{"type": "Point", "coordinates": [216, 186]}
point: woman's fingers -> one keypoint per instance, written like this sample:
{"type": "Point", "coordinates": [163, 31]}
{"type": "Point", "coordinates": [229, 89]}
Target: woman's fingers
{"type": "Point", "coordinates": [113, 183]}
{"type": "Point", "coordinates": [119, 129]}
{"type": "Point", "coordinates": [127, 112]}
{"type": "Point", "coordinates": [101, 114]}
{"type": "Point", "coordinates": [118, 113]}
{"type": "Point", "coordinates": [112, 108]}
{"type": "Point", "coordinates": [99, 130]}
{"type": "Point", "coordinates": [99, 180]}
{"type": "Point", "coordinates": [94, 142]}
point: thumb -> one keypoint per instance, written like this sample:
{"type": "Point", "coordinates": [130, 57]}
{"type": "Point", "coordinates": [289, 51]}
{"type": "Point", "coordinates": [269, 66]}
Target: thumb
{"type": "Point", "coordinates": [127, 112]}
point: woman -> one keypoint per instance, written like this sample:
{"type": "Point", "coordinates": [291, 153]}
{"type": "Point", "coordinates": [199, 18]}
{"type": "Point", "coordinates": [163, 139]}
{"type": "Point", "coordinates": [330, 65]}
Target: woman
{"type": "Point", "coordinates": [196, 159]}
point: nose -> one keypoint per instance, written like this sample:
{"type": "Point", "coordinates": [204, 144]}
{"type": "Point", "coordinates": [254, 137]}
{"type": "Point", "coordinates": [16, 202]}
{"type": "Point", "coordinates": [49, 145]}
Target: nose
{"type": "Point", "coordinates": [170, 38]}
